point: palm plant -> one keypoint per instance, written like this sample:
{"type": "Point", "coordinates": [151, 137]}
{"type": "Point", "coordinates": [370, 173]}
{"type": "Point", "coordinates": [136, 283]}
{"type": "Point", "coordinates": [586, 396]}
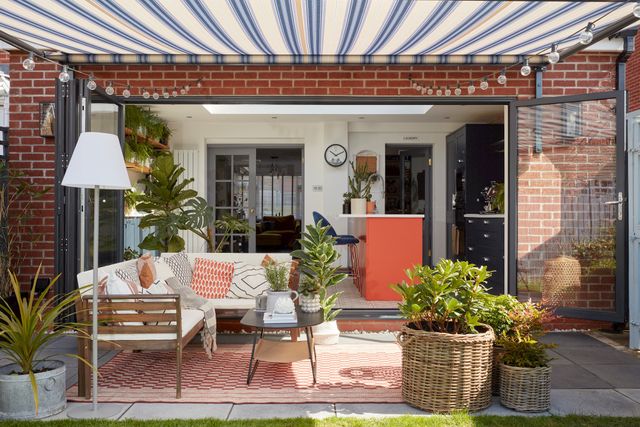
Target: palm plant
{"type": "Point", "coordinates": [26, 332]}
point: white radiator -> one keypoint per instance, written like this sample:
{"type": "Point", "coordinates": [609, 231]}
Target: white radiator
{"type": "Point", "coordinates": [189, 161]}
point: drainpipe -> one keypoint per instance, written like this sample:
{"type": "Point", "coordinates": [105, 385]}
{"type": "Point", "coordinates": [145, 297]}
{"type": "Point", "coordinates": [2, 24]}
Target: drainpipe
{"type": "Point", "coordinates": [628, 39]}
{"type": "Point", "coordinates": [537, 147]}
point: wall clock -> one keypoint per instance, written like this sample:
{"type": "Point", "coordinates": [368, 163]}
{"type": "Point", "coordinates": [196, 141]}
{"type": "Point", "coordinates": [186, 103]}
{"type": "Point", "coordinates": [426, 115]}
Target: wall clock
{"type": "Point", "coordinates": [335, 155]}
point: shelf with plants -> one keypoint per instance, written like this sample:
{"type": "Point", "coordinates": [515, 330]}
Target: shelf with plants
{"type": "Point", "coordinates": [138, 167]}
{"type": "Point", "coordinates": [146, 134]}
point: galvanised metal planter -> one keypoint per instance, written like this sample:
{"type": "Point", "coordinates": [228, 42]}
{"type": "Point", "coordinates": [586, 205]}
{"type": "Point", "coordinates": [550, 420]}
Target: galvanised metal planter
{"type": "Point", "coordinates": [17, 402]}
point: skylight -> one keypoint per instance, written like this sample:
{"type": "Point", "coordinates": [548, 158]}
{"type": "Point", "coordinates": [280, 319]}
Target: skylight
{"type": "Point", "coordinates": [285, 109]}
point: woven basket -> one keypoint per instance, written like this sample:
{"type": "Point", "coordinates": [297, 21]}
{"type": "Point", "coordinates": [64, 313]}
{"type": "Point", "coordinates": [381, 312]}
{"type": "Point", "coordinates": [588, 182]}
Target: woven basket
{"type": "Point", "coordinates": [525, 389]}
{"type": "Point", "coordinates": [561, 281]}
{"type": "Point", "coordinates": [498, 352]}
{"type": "Point", "coordinates": [446, 372]}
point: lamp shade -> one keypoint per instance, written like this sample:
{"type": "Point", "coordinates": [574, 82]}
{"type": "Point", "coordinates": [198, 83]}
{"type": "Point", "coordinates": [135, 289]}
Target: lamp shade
{"type": "Point", "coordinates": [97, 161]}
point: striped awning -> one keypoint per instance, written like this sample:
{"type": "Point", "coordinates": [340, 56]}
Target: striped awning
{"type": "Point", "coordinates": [302, 31]}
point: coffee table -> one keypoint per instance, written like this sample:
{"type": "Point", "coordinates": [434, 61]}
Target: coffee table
{"type": "Point", "coordinates": [267, 350]}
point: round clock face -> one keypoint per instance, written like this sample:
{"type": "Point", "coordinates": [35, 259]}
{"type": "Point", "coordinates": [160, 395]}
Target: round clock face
{"type": "Point", "coordinates": [335, 155]}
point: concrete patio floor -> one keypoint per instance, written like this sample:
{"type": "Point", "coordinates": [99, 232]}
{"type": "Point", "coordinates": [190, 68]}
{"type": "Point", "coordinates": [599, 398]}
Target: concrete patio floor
{"type": "Point", "coordinates": [589, 377]}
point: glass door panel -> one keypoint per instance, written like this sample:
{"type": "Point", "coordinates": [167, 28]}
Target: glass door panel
{"type": "Point", "coordinates": [570, 205]}
{"type": "Point", "coordinates": [232, 190]}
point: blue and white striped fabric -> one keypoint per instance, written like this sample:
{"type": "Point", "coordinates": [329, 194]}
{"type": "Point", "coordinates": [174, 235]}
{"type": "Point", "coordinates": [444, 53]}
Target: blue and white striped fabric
{"type": "Point", "coordinates": [301, 31]}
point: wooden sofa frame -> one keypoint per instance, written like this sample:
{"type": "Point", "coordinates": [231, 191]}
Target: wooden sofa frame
{"type": "Point", "coordinates": [149, 309]}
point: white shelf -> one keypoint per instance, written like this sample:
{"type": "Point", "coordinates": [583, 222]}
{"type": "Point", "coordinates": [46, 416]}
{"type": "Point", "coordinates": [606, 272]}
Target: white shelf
{"type": "Point", "coordinates": [484, 215]}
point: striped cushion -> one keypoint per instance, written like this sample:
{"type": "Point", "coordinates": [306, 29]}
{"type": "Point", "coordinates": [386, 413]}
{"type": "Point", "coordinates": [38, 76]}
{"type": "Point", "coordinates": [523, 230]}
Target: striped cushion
{"type": "Point", "coordinates": [248, 281]}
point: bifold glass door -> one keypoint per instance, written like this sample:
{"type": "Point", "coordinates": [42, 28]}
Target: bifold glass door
{"type": "Point", "coordinates": [570, 204]}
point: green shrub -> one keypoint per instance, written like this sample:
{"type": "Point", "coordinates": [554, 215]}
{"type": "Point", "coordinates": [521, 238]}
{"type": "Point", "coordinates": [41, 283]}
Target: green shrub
{"type": "Point", "coordinates": [525, 353]}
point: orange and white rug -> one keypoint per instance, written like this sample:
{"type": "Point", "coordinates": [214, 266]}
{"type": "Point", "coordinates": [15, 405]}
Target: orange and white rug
{"type": "Point", "coordinates": [369, 373]}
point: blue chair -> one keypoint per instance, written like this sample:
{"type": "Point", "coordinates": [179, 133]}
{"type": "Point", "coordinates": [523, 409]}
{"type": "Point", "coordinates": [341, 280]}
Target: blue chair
{"type": "Point", "coordinates": [344, 239]}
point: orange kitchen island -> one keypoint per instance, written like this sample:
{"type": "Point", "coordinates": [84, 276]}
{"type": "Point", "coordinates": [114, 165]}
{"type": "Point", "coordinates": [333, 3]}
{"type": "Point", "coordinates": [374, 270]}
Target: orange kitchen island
{"type": "Point", "coordinates": [389, 244]}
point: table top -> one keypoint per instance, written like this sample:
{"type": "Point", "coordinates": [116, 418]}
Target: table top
{"type": "Point", "coordinates": [254, 318]}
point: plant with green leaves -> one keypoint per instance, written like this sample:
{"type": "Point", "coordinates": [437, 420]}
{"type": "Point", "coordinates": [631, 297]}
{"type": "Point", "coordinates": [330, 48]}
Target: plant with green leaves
{"type": "Point", "coordinates": [360, 181]}
{"type": "Point", "coordinates": [277, 276]}
{"type": "Point", "coordinates": [25, 333]}
{"type": "Point", "coordinates": [226, 226]}
{"type": "Point", "coordinates": [318, 258]}
{"type": "Point", "coordinates": [446, 298]}
{"type": "Point", "coordinates": [171, 207]}
{"type": "Point", "coordinates": [495, 312]}
{"type": "Point", "coordinates": [525, 352]}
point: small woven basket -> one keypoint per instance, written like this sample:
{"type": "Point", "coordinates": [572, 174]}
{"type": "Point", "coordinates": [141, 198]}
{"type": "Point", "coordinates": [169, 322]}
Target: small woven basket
{"type": "Point", "coordinates": [561, 281]}
{"type": "Point", "coordinates": [525, 389]}
{"type": "Point", "coordinates": [446, 372]}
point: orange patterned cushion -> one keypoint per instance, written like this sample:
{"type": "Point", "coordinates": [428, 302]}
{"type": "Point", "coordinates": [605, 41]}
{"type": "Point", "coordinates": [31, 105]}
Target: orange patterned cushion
{"type": "Point", "coordinates": [211, 279]}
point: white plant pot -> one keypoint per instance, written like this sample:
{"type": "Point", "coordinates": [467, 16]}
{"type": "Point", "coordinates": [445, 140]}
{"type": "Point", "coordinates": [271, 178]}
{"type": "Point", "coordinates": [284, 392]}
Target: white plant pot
{"type": "Point", "coordinates": [272, 298]}
{"type": "Point", "coordinates": [358, 206]}
{"type": "Point", "coordinates": [326, 333]}
{"type": "Point", "coordinates": [310, 303]}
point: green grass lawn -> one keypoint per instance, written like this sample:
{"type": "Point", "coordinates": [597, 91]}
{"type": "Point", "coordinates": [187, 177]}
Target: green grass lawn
{"type": "Point", "coordinates": [459, 420]}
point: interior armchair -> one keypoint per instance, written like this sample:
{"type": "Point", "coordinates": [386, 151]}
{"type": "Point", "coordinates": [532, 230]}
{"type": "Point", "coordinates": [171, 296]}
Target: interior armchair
{"type": "Point", "coordinates": [278, 233]}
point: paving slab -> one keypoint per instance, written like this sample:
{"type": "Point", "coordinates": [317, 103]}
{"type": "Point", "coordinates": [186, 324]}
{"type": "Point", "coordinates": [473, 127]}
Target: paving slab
{"type": "Point", "coordinates": [597, 355]}
{"type": "Point", "coordinates": [164, 411]}
{"type": "Point", "coordinates": [620, 376]}
{"type": "Point", "coordinates": [278, 410]}
{"type": "Point", "coordinates": [116, 408]}
{"type": "Point", "coordinates": [572, 339]}
{"type": "Point", "coordinates": [557, 360]}
{"type": "Point", "coordinates": [631, 393]}
{"type": "Point", "coordinates": [593, 402]}
{"type": "Point", "coordinates": [571, 376]}
{"type": "Point", "coordinates": [376, 410]}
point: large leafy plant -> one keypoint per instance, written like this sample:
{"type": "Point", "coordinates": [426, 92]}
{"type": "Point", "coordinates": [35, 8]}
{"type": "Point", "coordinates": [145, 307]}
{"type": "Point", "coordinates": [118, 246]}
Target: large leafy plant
{"type": "Point", "coordinates": [446, 298]}
{"type": "Point", "coordinates": [26, 332]}
{"type": "Point", "coordinates": [318, 258]}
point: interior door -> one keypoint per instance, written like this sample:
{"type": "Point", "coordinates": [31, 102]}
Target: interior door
{"type": "Point", "coordinates": [568, 211]}
{"type": "Point", "coordinates": [231, 190]}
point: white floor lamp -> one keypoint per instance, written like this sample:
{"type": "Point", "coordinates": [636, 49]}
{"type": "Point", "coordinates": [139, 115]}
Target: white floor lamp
{"type": "Point", "coordinates": [97, 163]}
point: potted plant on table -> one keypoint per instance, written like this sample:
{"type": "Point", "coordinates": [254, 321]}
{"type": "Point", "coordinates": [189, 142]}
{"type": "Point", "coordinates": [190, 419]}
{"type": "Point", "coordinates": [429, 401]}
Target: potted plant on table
{"type": "Point", "coordinates": [318, 258]}
{"type": "Point", "coordinates": [446, 351]}
{"type": "Point", "coordinates": [525, 374]}
{"type": "Point", "coordinates": [34, 386]}
{"type": "Point", "coordinates": [277, 275]}
{"type": "Point", "coordinates": [359, 188]}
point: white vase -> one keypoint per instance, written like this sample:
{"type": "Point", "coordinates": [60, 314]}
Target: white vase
{"type": "Point", "coordinates": [326, 333]}
{"type": "Point", "coordinates": [358, 206]}
{"type": "Point", "coordinates": [310, 303]}
{"type": "Point", "coordinates": [272, 298]}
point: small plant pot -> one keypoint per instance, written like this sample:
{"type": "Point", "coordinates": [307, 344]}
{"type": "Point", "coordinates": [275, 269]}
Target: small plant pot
{"type": "Point", "coordinates": [371, 207]}
{"type": "Point", "coordinates": [525, 389]}
{"type": "Point", "coordinates": [346, 207]}
{"type": "Point", "coordinates": [358, 206]}
{"type": "Point", "coordinates": [326, 333]}
{"type": "Point", "coordinates": [310, 303]}
{"type": "Point", "coordinates": [17, 400]}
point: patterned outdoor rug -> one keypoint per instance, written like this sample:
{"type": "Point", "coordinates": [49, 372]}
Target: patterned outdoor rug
{"type": "Point", "coordinates": [346, 373]}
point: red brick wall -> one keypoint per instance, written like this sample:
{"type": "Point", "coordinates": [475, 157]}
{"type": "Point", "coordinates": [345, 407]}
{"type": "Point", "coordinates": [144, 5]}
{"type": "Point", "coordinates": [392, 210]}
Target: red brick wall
{"type": "Point", "coordinates": [633, 77]}
{"type": "Point", "coordinates": [580, 73]}
{"type": "Point", "coordinates": [4, 57]}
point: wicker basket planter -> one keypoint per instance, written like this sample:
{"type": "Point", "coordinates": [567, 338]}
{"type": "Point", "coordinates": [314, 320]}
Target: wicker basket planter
{"type": "Point", "coordinates": [446, 372]}
{"type": "Point", "coordinates": [525, 389]}
{"type": "Point", "coordinates": [561, 281]}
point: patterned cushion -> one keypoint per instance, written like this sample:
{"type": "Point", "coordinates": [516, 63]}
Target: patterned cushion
{"type": "Point", "coordinates": [129, 273]}
{"type": "Point", "coordinates": [179, 264]}
{"type": "Point", "coordinates": [211, 279]}
{"type": "Point", "coordinates": [159, 287]}
{"type": "Point", "coordinates": [126, 283]}
{"type": "Point", "coordinates": [248, 281]}
{"type": "Point", "coordinates": [146, 270]}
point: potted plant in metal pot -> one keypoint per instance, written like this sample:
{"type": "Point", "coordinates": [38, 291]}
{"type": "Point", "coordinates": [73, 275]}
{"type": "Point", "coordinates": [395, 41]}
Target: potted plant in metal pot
{"type": "Point", "coordinates": [318, 258]}
{"type": "Point", "coordinates": [34, 386]}
{"type": "Point", "coordinates": [446, 351]}
{"type": "Point", "coordinates": [277, 275]}
{"type": "Point", "coordinates": [525, 373]}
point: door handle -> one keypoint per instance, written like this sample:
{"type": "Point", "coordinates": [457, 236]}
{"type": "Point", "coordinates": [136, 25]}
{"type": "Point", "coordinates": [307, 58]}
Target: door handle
{"type": "Point", "coordinates": [619, 202]}
{"type": "Point", "coordinates": [252, 211]}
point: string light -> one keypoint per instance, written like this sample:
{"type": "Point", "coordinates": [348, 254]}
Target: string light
{"type": "Point", "coordinates": [447, 91]}
{"type": "Point", "coordinates": [156, 95]}
{"type": "Point", "coordinates": [586, 36]}
{"type": "Point", "coordinates": [484, 84]}
{"type": "Point", "coordinates": [199, 82]}
{"type": "Point", "coordinates": [145, 94]}
{"type": "Point", "coordinates": [127, 91]}
{"type": "Point", "coordinates": [424, 90]}
{"type": "Point", "coordinates": [636, 10]}
{"type": "Point", "coordinates": [553, 57]}
{"type": "Point", "coordinates": [64, 76]}
{"type": "Point", "coordinates": [165, 93]}
{"type": "Point", "coordinates": [175, 92]}
{"type": "Point", "coordinates": [29, 64]}
{"type": "Point", "coordinates": [430, 90]}
{"type": "Point", "coordinates": [439, 91]}
{"type": "Point", "coordinates": [184, 91]}
{"type": "Point", "coordinates": [502, 78]}
{"type": "Point", "coordinates": [109, 89]}
{"type": "Point", "coordinates": [526, 69]}
{"type": "Point", "coordinates": [471, 89]}
{"type": "Point", "coordinates": [458, 91]}
{"type": "Point", "coordinates": [91, 84]}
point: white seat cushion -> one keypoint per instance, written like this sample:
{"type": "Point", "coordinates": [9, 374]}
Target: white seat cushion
{"type": "Point", "coordinates": [233, 303]}
{"type": "Point", "coordinates": [189, 319]}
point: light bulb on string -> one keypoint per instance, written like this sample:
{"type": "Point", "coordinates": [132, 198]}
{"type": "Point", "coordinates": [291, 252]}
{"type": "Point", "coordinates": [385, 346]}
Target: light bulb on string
{"type": "Point", "coordinates": [471, 89]}
{"type": "Point", "coordinates": [29, 64]}
{"type": "Point", "coordinates": [439, 91]}
{"type": "Point", "coordinates": [553, 57]}
{"type": "Point", "coordinates": [430, 90]}
{"type": "Point", "coordinates": [636, 10]}
{"type": "Point", "coordinates": [110, 90]}
{"type": "Point", "coordinates": [502, 78]}
{"type": "Point", "coordinates": [187, 88]}
{"type": "Point", "coordinates": [458, 91]}
{"type": "Point", "coordinates": [91, 83]}
{"type": "Point", "coordinates": [156, 95]}
{"type": "Point", "coordinates": [127, 91]}
{"type": "Point", "coordinates": [447, 91]}
{"type": "Point", "coordinates": [484, 84]}
{"type": "Point", "coordinates": [64, 76]}
{"type": "Point", "coordinates": [165, 93]}
{"type": "Point", "coordinates": [526, 68]}
{"type": "Point", "coordinates": [183, 90]}
{"type": "Point", "coordinates": [174, 93]}
{"type": "Point", "coordinates": [199, 82]}
{"type": "Point", "coordinates": [145, 94]}
{"type": "Point", "coordinates": [423, 91]}
{"type": "Point", "coordinates": [586, 36]}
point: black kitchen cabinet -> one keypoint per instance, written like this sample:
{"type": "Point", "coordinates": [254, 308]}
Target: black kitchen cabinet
{"type": "Point", "coordinates": [484, 245]}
